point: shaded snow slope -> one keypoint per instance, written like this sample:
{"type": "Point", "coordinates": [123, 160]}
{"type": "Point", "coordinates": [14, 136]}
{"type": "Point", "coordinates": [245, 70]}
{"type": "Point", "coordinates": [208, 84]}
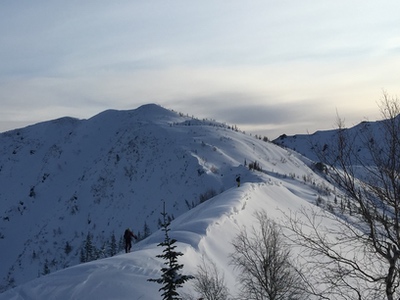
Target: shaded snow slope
{"type": "Point", "coordinates": [205, 231]}
{"type": "Point", "coordinates": [64, 179]}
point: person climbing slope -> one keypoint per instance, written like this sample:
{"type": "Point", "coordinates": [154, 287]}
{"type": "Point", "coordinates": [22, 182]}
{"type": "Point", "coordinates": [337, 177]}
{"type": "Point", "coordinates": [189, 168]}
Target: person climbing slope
{"type": "Point", "coordinates": [238, 180]}
{"type": "Point", "coordinates": [128, 235]}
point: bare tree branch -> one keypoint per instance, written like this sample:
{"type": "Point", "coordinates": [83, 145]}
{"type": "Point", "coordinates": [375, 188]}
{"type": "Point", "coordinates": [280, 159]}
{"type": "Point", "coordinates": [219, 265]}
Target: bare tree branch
{"type": "Point", "coordinates": [264, 262]}
{"type": "Point", "coordinates": [362, 262]}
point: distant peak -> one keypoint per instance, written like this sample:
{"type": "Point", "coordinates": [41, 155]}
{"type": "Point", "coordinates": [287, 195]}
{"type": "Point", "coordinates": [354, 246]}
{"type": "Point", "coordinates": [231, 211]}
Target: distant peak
{"type": "Point", "coordinates": [152, 108]}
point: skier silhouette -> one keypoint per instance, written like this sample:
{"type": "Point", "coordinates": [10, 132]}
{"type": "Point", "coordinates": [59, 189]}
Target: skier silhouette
{"type": "Point", "coordinates": [238, 180]}
{"type": "Point", "coordinates": [128, 235]}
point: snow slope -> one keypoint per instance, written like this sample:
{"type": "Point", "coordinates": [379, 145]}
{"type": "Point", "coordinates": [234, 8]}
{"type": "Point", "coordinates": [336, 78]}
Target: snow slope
{"type": "Point", "coordinates": [115, 170]}
{"type": "Point", "coordinates": [206, 230]}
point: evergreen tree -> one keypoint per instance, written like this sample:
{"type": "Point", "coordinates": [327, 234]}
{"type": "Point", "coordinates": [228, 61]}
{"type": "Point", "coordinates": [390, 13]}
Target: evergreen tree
{"type": "Point", "coordinates": [100, 252]}
{"type": "Point", "coordinates": [46, 269]}
{"type": "Point", "coordinates": [82, 258]}
{"type": "Point", "coordinates": [113, 245]}
{"type": "Point", "coordinates": [89, 250]}
{"type": "Point", "coordinates": [121, 243]}
{"type": "Point", "coordinates": [146, 230]}
{"type": "Point", "coordinates": [67, 248]}
{"type": "Point", "coordinates": [171, 278]}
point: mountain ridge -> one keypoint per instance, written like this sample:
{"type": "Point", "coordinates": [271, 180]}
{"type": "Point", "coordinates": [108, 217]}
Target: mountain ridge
{"type": "Point", "coordinates": [315, 144]}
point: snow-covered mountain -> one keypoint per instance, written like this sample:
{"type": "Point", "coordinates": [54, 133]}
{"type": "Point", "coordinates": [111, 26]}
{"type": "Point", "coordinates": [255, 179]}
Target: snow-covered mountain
{"type": "Point", "coordinates": [64, 179]}
{"type": "Point", "coordinates": [321, 142]}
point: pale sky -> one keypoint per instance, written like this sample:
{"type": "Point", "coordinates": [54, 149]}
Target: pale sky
{"type": "Point", "coordinates": [269, 67]}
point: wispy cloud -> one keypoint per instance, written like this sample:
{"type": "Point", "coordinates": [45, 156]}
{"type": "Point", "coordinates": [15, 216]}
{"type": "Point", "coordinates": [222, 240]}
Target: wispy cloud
{"type": "Point", "coordinates": [278, 65]}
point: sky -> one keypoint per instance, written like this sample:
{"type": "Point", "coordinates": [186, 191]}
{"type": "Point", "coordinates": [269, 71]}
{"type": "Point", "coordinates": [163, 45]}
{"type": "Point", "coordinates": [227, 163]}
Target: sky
{"type": "Point", "coordinates": [269, 67]}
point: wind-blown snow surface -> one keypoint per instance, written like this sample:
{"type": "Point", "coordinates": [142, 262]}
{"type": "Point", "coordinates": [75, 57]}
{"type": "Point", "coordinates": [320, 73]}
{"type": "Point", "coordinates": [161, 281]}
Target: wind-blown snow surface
{"type": "Point", "coordinates": [113, 171]}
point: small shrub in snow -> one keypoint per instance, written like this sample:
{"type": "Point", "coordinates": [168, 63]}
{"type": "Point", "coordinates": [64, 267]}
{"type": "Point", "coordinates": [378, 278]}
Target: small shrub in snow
{"type": "Point", "coordinates": [210, 193]}
{"type": "Point", "coordinates": [255, 166]}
